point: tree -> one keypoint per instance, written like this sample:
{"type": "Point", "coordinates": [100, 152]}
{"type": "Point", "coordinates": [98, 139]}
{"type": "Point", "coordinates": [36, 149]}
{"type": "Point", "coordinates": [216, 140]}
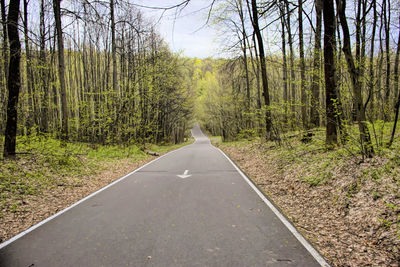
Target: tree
{"type": "Point", "coordinates": [330, 72]}
{"type": "Point", "coordinates": [302, 67]}
{"type": "Point", "coordinates": [316, 74]}
{"type": "Point", "coordinates": [13, 83]}
{"type": "Point", "coordinates": [264, 76]}
{"type": "Point", "coordinates": [396, 88]}
{"type": "Point", "coordinates": [61, 69]}
{"type": "Point", "coordinates": [354, 71]}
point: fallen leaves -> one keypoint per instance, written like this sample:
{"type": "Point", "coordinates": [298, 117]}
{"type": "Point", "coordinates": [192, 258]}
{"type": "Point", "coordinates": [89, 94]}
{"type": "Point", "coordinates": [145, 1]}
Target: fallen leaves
{"type": "Point", "coordinates": [340, 215]}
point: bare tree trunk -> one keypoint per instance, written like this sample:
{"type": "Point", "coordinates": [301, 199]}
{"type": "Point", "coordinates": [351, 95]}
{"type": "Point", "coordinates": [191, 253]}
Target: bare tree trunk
{"type": "Point", "coordinates": [302, 67]}
{"type": "Point", "coordinates": [371, 77]}
{"type": "Point", "coordinates": [44, 126]}
{"type": "Point", "coordinates": [330, 72]}
{"type": "Point", "coordinates": [386, 17]}
{"type": "Point", "coordinates": [5, 42]}
{"type": "Point", "coordinates": [291, 56]}
{"type": "Point", "coordinates": [354, 72]}
{"type": "Point", "coordinates": [264, 77]}
{"type": "Point", "coordinates": [14, 79]}
{"type": "Point", "coordinates": [61, 69]}
{"type": "Point", "coordinates": [316, 76]}
{"type": "Point", "coordinates": [29, 77]}
{"type": "Point", "coordinates": [244, 50]}
{"type": "Point", "coordinates": [113, 47]}
{"type": "Point", "coordinates": [284, 60]}
{"type": "Point", "coordinates": [396, 88]}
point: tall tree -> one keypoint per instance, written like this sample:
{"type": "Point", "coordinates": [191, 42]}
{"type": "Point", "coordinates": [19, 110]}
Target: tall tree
{"type": "Point", "coordinates": [291, 57]}
{"type": "Point", "coordinates": [284, 59]}
{"type": "Point", "coordinates": [244, 50]}
{"type": "Point", "coordinates": [316, 74]}
{"type": "Point", "coordinates": [61, 69]}
{"type": "Point", "coordinates": [371, 77]}
{"type": "Point", "coordinates": [354, 71]}
{"type": "Point", "coordinates": [330, 72]}
{"type": "Point", "coordinates": [386, 20]}
{"type": "Point", "coordinates": [5, 45]}
{"type": "Point", "coordinates": [43, 72]}
{"type": "Point", "coordinates": [302, 67]}
{"type": "Point", "coordinates": [14, 79]}
{"type": "Point", "coordinates": [29, 76]}
{"type": "Point", "coordinates": [396, 87]}
{"type": "Point", "coordinates": [264, 76]}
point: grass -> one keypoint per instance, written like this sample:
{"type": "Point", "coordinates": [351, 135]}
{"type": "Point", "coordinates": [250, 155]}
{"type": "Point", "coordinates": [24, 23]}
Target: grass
{"type": "Point", "coordinates": [45, 164]}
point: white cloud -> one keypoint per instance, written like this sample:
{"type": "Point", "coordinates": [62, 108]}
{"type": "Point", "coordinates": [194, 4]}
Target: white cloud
{"type": "Point", "coordinates": [185, 30]}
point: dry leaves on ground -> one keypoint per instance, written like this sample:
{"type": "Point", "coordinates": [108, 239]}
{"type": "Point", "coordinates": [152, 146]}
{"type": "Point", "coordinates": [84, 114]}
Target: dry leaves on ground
{"type": "Point", "coordinates": [352, 220]}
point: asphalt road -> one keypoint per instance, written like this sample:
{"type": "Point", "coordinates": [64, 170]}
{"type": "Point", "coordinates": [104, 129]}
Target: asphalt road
{"type": "Point", "coordinates": [210, 216]}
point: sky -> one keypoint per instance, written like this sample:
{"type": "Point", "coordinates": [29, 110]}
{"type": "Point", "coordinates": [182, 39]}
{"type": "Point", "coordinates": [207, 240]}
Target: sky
{"type": "Point", "coordinates": [184, 30]}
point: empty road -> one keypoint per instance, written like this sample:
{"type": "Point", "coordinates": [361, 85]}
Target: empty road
{"type": "Point", "coordinates": [191, 207]}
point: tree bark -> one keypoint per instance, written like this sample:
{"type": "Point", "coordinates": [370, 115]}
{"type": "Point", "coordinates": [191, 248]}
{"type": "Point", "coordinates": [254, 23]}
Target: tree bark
{"type": "Point", "coordinates": [43, 73]}
{"type": "Point", "coordinates": [29, 77]}
{"type": "Point", "coordinates": [386, 17]}
{"type": "Point", "coordinates": [291, 57]}
{"type": "Point", "coordinates": [5, 41]}
{"type": "Point", "coordinates": [264, 76]}
{"type": "Point", "coordinates": [354, 71]}
{"type": "Point", "coordinates": [284, 60]}
{"type": "Point", "coordinates": [330, 72]}
{"type": "Point", "coordinates": [61, 69]}
{"type": "Point", "coordinates": [316, 76]}
{"type": "Point", "coordinates": [371, 77]}
{"type": "Point", "coordinates": [396, 88]}
{"type": "Point", "coordinates": [14, 79]}
{"type": "Point", "coordinates": [302, 67]}
{"type": "Point", "coordinates": [113, 47]}
{"type": "Point", "coordinates": [244, 50]}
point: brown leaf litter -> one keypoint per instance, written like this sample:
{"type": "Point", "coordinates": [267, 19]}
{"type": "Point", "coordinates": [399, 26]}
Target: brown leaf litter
{"type": "Point", "coordinates": [351, 218]}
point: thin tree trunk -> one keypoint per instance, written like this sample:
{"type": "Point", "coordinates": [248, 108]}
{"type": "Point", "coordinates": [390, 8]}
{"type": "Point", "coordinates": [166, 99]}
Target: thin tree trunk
{"type": "Point", "coordinates": [29, 77]}
{"type": "Point", "coordinates": [14, 80]}
{"type": "Point", "coordinates": [386, 17]}
{"type": "Point", "coordinates": [113, 47]}
{"type": "Point", "coordinates": [302, 67]}
{"type": "Point", "coordinates": [371, 77]}
{"type": "Point", "coordinates": [330, 72]}
{"type": "Point", "coordinates": [284, 60]}
{"type": "Point", "coordinates": [264, 77]}
{"type": "Point", "coordinates": [316, 76]}
{"type": "Point", "coordinates": [244, 50]}
{"type": "Point", "coordinates": [291, 57]}
{"type": "Point", "coordinates": [5, 41]}
{"type": "Point", "coordinates": [396, 88]}
{"type": "Point", "coordinates": [61, 69]}
{"type": "Point", "coordinates": [43, 73]}
{"type": "Point", "coordinates": [354, 72]}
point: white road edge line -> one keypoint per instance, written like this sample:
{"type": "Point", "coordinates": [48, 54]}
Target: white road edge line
{"type": "Point", "coordinates": [317, 256]}
{"type": "Point", "coordinates": [30, 229]}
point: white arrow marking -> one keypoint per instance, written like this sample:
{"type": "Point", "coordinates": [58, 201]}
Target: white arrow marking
{"type": "Point", "coordinates": [184, 175]}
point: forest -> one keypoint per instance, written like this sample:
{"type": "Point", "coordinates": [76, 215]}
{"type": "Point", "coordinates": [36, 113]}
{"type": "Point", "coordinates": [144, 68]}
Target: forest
{"type": "Point", "coordinates": [92, 72]}
{"type": "Point", "coordinates": [304, 80]}
{"type": "Point", "coordinates": [99, 72]}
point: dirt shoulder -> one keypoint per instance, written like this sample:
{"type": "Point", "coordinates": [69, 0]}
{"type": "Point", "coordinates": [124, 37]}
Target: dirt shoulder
{"type": "Point", "coordinates": [347, 209]}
